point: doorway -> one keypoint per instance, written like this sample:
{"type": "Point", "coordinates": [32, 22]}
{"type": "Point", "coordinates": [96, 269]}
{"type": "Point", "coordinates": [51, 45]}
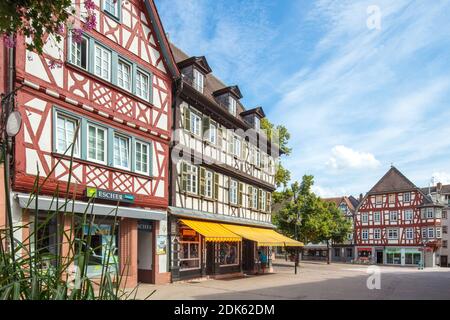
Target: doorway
{"type": "Point", "coordinates": [444, 261]}
{"type": "Point", "coordinates": [379, 257]}
{"type": "Point", "coordinates": [248, 256]}
{"type": "Point", "coordinates": [145, 252]}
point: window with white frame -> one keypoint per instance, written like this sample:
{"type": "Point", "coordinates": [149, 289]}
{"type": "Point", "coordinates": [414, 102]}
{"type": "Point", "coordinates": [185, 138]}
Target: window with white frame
{"type": "Point", "coordinates": [377, 216]}
{"type": "Point", "coordinates": [232, 105]}
{"type": "Point", "coordinates": [424, 233]}
{"type": "Point", "coordinates": [213, 133]}
{"type": "Point", "coordinates": [365, 217]}
{"type": "Point", "coordinates": [257, 124]}
{"type": "Point", "coordinates": [196, 123]}
{"type": "Point", "coordinates": [392, 198]}
{"type": "Point", "coordinates": [209, 184]}
{"type": "Point", "coordinates": [263, 200]}
{"type": "Point", "coordinates": [408, 215]}
{"type": "Point", "coordinates": [393, 216]}
{"type": "Point", "coordinates": [142, 85]}
{"type": "Point", "coordinates": [97, 143]}
{"type": "Point", "coordinates": [392, 234]}
{"type": "Point", "coordinates": [233, 191]}
{"type": "Point", "coordinates": [254, 198]}
{"type": "Point", "coordinates": [236, 146]}
{"type": "Point", "coordinates": [79, 52]}
{"type": "Point", "coordinates": [430, 233]}
{"type": "Point", "coordinates": [438, 233]}
{"type": "Point", "coordinates": [365, 234]}
{"type": "Point", "coordinates": [112, 7]}
{"type": "Point", "coordinates": [409, 233]}
{"type": "Point", "coordinates": [407, 197]}
{"type": "Point", "coordinates": [102, 62]}
{"type": "Point", "coordinates": [199, 80]}
{"type": "Point", "coordinates": [191, 178]}
{"type": "Point", "coordinates": [258, 158]}
{"type": "Point", "coordinates": [142, 157]}
{"type": "Point", "coordinates": [377, 234]}
{"type": "Point", "coordinates": [124, 75]}
{"type": "Point", "coordinates": [430, 213]}
{"type": "Point", "coordinates": [65, 133]}
{"type": "Point", "coordinates": [378, 199]}
{"type": "Point", "coordinates": [121, 151]}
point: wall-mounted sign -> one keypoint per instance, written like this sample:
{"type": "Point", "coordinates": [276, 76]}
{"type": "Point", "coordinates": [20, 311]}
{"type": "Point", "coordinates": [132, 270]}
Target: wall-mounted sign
{"type": "Point", "coordinates": [188, 233]}
{"type": "Point", "coordinates": [161, 244]}
{"type": "Point", "coordinates": [145, 225]}
{"type": "Point", "coordinates": [108, 195]}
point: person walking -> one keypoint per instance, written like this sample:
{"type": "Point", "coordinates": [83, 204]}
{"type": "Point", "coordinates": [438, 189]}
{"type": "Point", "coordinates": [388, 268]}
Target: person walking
{"type": "Point", "coordinates": [262, 260]}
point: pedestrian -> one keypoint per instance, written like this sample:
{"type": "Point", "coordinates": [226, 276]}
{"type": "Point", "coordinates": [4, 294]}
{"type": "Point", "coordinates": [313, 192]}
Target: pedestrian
{"type": "Point", "coordinates": [262, 260]}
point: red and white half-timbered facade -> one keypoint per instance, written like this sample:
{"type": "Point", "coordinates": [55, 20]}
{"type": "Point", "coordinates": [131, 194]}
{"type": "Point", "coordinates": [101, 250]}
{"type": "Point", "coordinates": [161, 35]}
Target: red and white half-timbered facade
{"type": "Point", "coordinates": [396, 223]}
{"type": "Point", "coordinates": [112, 97]}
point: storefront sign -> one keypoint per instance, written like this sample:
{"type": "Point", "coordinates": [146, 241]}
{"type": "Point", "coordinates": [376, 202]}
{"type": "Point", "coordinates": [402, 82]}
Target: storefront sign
{"type": "Point", "coordinates": [188, 233]}
{"type": "Point", "coordinates": [393, 250]}
{"type": "Point", "coordinates": [161, 245]}
{"type": "Point", "coordinates": [146, 226]}
{"type": "Point", "coordinates": [108, 195]}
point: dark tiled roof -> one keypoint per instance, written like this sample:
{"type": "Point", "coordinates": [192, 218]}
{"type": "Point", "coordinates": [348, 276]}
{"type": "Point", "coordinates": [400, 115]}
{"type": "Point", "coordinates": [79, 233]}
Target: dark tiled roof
{"type": "Point", "coordinates": [212, 83]}
{"type": "Point", "coordinates": [354, 201]}
{"type": "Point", "coordinates": [445, 189]}
{"type": "Point", "coordinates": [393, 181]}
{"type": "Point", "coordinates": [339, 200]}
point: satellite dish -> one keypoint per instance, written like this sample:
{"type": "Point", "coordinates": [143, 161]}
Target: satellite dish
{"type": "Point", "coordinates": [13, 124]}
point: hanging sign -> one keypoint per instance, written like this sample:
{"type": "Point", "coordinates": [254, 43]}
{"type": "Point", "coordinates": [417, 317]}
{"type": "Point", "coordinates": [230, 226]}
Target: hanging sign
{"type": "Point", "coordinates": [108, 195]}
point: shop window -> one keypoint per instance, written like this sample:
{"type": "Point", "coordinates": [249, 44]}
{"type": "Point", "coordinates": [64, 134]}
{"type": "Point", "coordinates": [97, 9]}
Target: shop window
{"type": "Point", "coordinates": [393, 258]}
{"type": "Point", "coordinates": [228, 253]}
{"type": "Point", "coordinates": [349, 252]}
{"type": "Point", "coordinates": [337, 252]}
{"type": "Point", "coordinates": [103, 247]}
{"type": "Point", "coordinates": [412, 258]}
{"type": "Point", "coordinates": [189, 253]}
{"type": "Point", "coordinates": [47, 240]}
{"type": "Point", "coordinates": [365, 254]}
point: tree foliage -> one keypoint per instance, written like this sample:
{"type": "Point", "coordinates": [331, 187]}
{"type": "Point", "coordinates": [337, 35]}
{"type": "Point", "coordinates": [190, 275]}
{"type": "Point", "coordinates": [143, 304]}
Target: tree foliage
{"type": "Point", "coordinates": [308, 218]}
{"type": "Point", "coordinates": [34, 18]}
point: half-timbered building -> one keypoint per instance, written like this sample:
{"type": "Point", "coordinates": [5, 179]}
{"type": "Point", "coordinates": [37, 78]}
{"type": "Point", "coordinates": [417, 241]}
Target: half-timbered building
{"type": "Point", "coordinates": [441, 195]}
{"type": "Point", "coordinates": [344, 252]}
{"type": "Point", "coordinates": [108, 105]}
{"type": "Point", "coordinates": [397, 223]}
{"type": "Point", "coordinates": [220, 213]}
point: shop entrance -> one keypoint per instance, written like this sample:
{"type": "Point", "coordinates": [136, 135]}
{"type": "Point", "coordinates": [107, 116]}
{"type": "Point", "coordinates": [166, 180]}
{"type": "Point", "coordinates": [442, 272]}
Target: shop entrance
{"type": "Point", "coordinates": [379, 257]}
{"type": "Point", "coordinates": [145, 252]}
{"type": "Point", "coordinates": [248, 256]}
{"type": "Point", "coordinates": [444, 261]}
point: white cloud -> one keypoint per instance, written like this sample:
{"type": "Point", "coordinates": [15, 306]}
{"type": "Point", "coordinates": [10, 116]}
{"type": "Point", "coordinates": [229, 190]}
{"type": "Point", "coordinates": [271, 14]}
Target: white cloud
{"type": "Point", "coordinates": [443, 177]}
{"type": "Point", "coordinates": [325, 192]}
{"type": "Point", "coordinates": [343, 157]}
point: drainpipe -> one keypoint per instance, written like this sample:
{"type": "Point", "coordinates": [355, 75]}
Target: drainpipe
{"type": "Point", "coordinates": [7, 106]}
{"type": "Point", "coordinates": [178, 88]}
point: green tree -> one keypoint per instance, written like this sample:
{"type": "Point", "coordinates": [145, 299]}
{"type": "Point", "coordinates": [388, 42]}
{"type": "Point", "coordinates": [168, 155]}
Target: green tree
{"type": "Point", "coordinates": [308, 218]}
{"type": "Point", "coordinates": [281, 134]}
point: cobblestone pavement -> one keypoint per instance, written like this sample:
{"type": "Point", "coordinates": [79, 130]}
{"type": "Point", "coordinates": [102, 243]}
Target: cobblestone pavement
{"type": "Point", "coordinates": [314, 281]}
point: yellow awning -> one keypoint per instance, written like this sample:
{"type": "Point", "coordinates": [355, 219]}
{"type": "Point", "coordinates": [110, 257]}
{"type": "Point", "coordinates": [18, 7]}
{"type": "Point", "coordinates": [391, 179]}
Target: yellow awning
{"type": "Point", "coordinates": [213, 232]}
{"type": "Point", "coordinates": [264, 237]}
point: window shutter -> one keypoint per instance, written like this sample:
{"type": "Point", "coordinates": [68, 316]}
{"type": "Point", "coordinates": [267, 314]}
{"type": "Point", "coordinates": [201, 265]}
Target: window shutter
{"type": "Point", "coordinates": [216, 186]}
{"type": "Point", "coordinates": [268, 201]}
{"type": "Point", "coordinates": [250, 197]}
{"type": "Point", "coordinates": [260, 199]}
{"type": "Point", "coordinates": [219, 137]}
{"type": "Point", "coordinates": [184, 177]}
{"type": "Point", "coordinates": [202, 182]}
{"type": "Point", "coordinates": [230, 143]}
{"type": "Point", "coordinates": [241, 193]}
{"type": "Point", "coordinates": [187, 119]}
{"type": "Point", "coordinates": [205, 126]}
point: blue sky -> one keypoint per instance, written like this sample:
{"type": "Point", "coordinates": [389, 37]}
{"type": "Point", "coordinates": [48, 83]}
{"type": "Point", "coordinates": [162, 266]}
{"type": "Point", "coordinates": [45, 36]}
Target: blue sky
{"type": "Point", "coordinates": [355, 99]}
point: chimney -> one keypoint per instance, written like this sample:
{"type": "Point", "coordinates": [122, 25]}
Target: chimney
{"type": "Point", "coordinates": [360, 197]}
{"type": "Point", "coordinates": [439, 187]}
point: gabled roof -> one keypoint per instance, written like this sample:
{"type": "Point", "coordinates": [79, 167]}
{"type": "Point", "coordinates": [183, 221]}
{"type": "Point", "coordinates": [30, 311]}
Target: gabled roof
{"type": "Point", "coordinates": [258, 111]}
{"type": "Point", "coordinates": [230, 89]}
{"type": "Point", "coordinates": [199, 62]}
{"type": "Point", "coordinates": [339, 200]}
{"type": "Point", "coordinates": [155, 20]}
{"type": "Point", "coordinates": [392, 181]}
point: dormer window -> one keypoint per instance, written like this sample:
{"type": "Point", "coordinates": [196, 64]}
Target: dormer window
{"type": "Point", "coordinates": [198, 80]}
{"type": "Point", "coordinates": [232, 105]}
